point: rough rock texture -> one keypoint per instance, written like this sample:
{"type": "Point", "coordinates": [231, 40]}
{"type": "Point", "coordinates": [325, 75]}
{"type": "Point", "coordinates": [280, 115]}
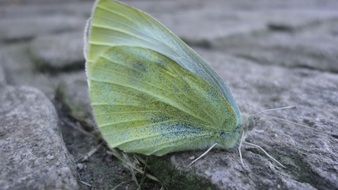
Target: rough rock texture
{"type": "Point", "coordinates": [14, 29]}
{"type": "Point", "coordinates": [271, 53]}
{"type": "Point", "coordinates": [67, 8]}
{"type": "Point", "coordinates": [21, 70]}
{"type": "Point", "coordinates": [32, 152]}
{"type": "Point", "coordinates": [2, 75]}
{"type": "Point", "coordinates": [211, 21]}
{"type": "Point", "coordinates": [57, 52]}
{"type": "Point", "coordinates": [167, 7]}
{"type": "Point", "coordinates": [217, 24]}
{"type": "Point", "coordinates": [312, 47]}
{"type": "Point", "coordinates": [37, 1]}
{"type": "Point", "coordinates": [73, 93]}
{"type": "Point", "coordinates": [308, 152]}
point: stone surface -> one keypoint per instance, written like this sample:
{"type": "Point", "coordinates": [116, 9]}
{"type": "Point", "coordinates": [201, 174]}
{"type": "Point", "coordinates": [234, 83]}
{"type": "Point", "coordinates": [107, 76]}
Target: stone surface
{"type": "Point", "coordinates": [58, 52]}
{"type": "Point", "coordinates": [20, 2]}
{"type": "Point", "coordinates": [21, 70]}
{"type": "Point", "coordinates": [32, 10]}
{"type": "Point", "coordinates": [169, 7]}
{"type": "Point", "coordinates": [73, 93]}
{"type": "Point", "coordinates": [208, 25]}
{"type": "Point", "coordinates": [214, 21]}
{"type": "Point", "coordinates": [314, 47]}
{"type": "Point", "coordinates": [308, 152]}
{"type": "Point", "coordinates": [2, 75]}
{"type": "Point", "coordinates": [14, 29]}
{"type": "Point", "coordinates": [33, 154]}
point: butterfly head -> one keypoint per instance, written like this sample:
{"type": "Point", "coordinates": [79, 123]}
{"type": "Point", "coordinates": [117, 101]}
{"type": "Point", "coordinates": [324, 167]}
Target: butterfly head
{"type": "Point", "coordinates": [229, 139]}
{"type": "Point", "coordinates": [248, 122]}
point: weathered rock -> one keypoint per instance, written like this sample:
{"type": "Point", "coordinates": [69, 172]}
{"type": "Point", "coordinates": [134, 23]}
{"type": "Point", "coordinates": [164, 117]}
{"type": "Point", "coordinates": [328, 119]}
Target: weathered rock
{"type": "Point", "coordinates": [315, 48]}
{"type": "Point", "coordinates": [20, 70]}
{"type": "Point", "coordinates": [13, 29]}
{"type": "Point", "coordinates": [24, 2]}
{"type": "Point", "coordinates": [209, 25]}
{"type": "Point", "coordinates": [73, 93]}
{"type": "Point", "coordinates": [174, 6]}
{"type": "Point", "coordinates": [32, 152]}
{"type": "Point", "coordinates": [308, 152]}
{"type": "Point", "coordinates": [58, 52]}
{"type": "Point", "coordinates": [206, 22]}
{"type": "Point", "coordinates": [291, 20]}
{"type": "Point", "coordinates": [170, 7]}
{"type": "Point", "coordinates": [82, 8]}
{"type": "Point", "coordinates": [2, 75]}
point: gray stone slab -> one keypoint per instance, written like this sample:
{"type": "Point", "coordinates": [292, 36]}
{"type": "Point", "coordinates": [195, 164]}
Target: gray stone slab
{"type": "Point", "coordinates": [81, 9]}
{"type": "Point", "coordinates": [173, 6]}
{"type": "Point", "coordinates": [209, 26]}
{"type": "Point", "coordinates": [73, 93]}
{"type": "Point", "coordinates": [58, 52]}
{"type": "Point", "coordinates": [2, 75]}
{"type": "Point", "coordinates": [206, 22]}
{"type": "Point", "coordinates": [21, 70]}
{"type": "Point", "coordinates": [202, 27]}
{"type": "Point", "coordinates": [314, 47]}
{"type": "Point", "coordinates": [25, 2]}
{"type": "Point", "coordinates": [308, 152]}
{"type": "Point", "coordinates": [13, 29]}
{"type": "Point", "coordinates": [32, 152]}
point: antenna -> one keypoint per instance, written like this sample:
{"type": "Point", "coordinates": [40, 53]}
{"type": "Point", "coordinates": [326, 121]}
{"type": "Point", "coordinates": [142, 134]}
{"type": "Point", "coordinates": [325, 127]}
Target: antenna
{"type": "Point", "coordinates": [287, 121]}
{"type": "Point", "coordinates": [275, 109]}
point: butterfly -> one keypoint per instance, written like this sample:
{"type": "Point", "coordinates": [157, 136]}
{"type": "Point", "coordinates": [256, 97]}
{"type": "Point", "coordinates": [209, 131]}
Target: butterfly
{"type": "Point", "coordinates": [150, 92]}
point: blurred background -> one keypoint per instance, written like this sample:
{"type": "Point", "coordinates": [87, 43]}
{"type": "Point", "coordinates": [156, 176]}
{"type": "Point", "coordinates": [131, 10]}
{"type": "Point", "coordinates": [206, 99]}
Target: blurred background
{"type": "Point", "coordinates": [289, 33]}
{"type": "Point", "coordinates": [271, 53]}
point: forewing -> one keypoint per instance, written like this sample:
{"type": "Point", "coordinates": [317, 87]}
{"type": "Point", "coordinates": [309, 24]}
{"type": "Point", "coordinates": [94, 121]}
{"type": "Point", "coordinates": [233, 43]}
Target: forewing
{"type": "Point", "coordinates": [115, 23]}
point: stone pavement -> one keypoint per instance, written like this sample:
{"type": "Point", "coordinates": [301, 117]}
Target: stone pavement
{"type": "Point", "coordinates": [271, 54]}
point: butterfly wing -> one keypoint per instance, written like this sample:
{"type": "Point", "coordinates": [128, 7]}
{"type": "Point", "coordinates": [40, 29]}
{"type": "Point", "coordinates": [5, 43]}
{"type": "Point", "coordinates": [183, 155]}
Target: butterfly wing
{"type": "Point", "coordinates": [150, 92]}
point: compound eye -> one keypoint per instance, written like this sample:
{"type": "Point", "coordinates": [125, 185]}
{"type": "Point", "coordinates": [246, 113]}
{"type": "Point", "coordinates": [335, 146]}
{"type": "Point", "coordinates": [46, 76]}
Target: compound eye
{"type": "Point", "coordinates": [251, 122]}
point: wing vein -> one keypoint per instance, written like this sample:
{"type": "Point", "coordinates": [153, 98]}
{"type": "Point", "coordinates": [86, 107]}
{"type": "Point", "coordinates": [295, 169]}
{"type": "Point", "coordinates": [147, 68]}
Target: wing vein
{"type": "Point", "coordinates": [150, 94]}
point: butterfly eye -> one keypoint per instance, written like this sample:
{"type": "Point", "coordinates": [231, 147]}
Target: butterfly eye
{"type": "Point", "coordinates": [248, 122]}
{"type": "Point", "coordinates": [251, 122]}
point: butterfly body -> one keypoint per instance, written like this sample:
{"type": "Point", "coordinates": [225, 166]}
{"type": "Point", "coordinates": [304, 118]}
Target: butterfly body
{"type": "Point", "coordinates": [150, 92]}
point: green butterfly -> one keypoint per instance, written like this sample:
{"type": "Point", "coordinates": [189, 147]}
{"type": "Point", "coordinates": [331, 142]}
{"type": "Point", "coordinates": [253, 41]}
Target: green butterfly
{"type": "Point", "coordinates": [150, 92]}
